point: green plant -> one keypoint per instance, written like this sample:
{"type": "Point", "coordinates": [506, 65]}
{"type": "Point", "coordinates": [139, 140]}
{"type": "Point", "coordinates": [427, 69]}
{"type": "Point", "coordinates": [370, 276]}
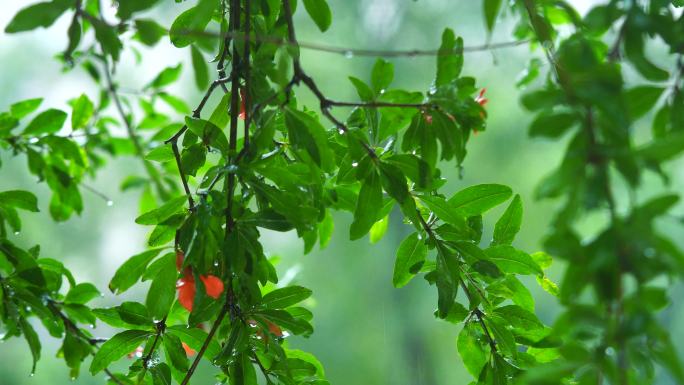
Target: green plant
{"type": "Point", "coordinates": [262, 160]}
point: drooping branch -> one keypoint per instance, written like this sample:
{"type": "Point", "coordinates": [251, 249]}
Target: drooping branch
{"type": "Point", "coordinates": [475, 312]}
{"type": "Point", "coordinates": [137, 145]}
{"type": "Point", "coordinates": [229, 304]}
{"type": "Point", "coordinates": [70, 325]}
{"type": "Point", "coordinates": [301, 76]}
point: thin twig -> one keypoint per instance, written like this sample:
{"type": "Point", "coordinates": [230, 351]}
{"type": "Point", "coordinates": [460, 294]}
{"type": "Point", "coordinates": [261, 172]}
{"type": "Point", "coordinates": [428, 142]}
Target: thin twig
{"type": "Point", "coordinates": [205, 345]}
{"type": "Point", "coordinates": [69, 324]}
{"type": "Point", "coordinates": [234, 25]}
{"type": "Point", "coordinates": [139, 150]}
{"type": "Point", "coordinates": [352, 52]}
{"type": "Point", "coordinates": [300, 75]}
{"type": "Point", "coordinates": [477, 312]}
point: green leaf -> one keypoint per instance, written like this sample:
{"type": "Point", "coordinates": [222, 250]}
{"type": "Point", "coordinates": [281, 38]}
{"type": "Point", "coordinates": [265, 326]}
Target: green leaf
{"type": "Point", "coordinates": [199, 66]}
{"type": "Point", "coordinates": [512, 260]}
{"type": "Point", "coordinates": [81, 294]}
{"type": "Point", "coordinates": [162, 291]}
{"type": "Point", "coordinates": [449, 58]}
{"type": "Point", "coordinates": [491, 11]}
{"type": "Point", "coordinates": [509, 224]}
{"type": "Point", "coordinates": [195, 338]}
{"type": "Point", "coordinates": [175, 352]}
{"type": "Point", "coordinates": [128, 315]}
{"type": "Point", "coordinates": [665, 353]}
{"type": "Point", "coordinates": [47, 122]}
{"type": "Point", "coordinates": [552, 125]}
{"type": "Point", "coordinates": [362, 89]}
{"type": "Point", "coordinates": [191, 23]}
{"type": "Point", "coordinates": [444, 211]}
{"type": "Point", "coordinates": [108, 38]}
{"type": "Point", "coordinates": [126, 8]}
{"type": "Point", "coordinates": [287, 321]}
{"type": "Point", "coordinates": [368, 206]}
{"type": "Point", "coordinates": [410, 258]}
{"type": "Point", "coordinates": [32, 339]}
{"type": "Point", "coordinates": [471, 350]}
{"type": "Point", "coordinates": [505, 341]}
{"type": "Point", "coordinates": [149, 31]}
{"type": "Point", "coordinates": [130, 272]}
{"type": "Point", "coordinates": [382, 75]}
{"type": "Point", "coordinates": [37, 15]}
{"type": "Point", "coordinates": [319, 12]}
{"type": "Point", "coordinates": [19, 199]}
{"type": "Point", "coordinates": [394, 182]}
{"type": "Point", "coordinates": [475, 200]}
{"type": "Point", "coordinates": [519, 318]}
{"type": "Point", "coordinates": [641, 99]}
{"type": "Point", "coordinates": [308, 357]}
{"type": "Point", "coordinates": [82, 112]}
{"type": "Point", "coordinates": [379, 229]}
{"type": "Point", "coordinates": [663, 149]}
{"type": "Point", "coordinates": [162, 213]}
{"type": "Point", "coordinates": [74, 350]}
{"type": "Point", "coordinates": [166, 76]}
{"type": "Point", "coordinates": [284, 297]}
{"type": "Point", "coordinates": [307, 133]}
{"type": "Point", "coordinates": [25, 107]}
{"type": "Point", "coordinates": [175, 102]}
{"type": "Point", "coordinates": [117, 347]}
{"type": "Point", "coordinates": [325, 230]}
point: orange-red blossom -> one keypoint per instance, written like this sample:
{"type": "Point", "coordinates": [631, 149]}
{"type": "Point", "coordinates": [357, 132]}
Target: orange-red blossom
{"type": "Point", "coordinates": [186, 285]}
{"type": "Point", "coordinates": [480, 99]}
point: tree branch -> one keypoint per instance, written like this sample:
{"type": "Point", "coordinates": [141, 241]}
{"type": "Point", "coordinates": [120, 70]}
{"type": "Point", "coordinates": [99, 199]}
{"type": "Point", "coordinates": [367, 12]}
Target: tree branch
{"type": "Point", "coordinates": [139, 150]}
{"type": "Point", "coordinates": [300, 75]}
{"type": "Point", "coordinates": [362, 52]}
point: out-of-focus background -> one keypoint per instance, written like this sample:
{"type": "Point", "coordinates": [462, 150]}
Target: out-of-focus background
{"type": "Point", "coordinates": [365, 330]}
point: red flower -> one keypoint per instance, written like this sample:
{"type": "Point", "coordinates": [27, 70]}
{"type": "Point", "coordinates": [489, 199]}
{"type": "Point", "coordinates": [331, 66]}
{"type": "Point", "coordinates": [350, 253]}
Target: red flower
{"type": "Point", "coordinates": [186, 285]}
{"type": "Point", "coordinates": [243, 112]}
{"type": "Point", "coordinates": [188, 350]}
{"type": "Point", "coordinates": [481, 99]}
{"type": "Point", "coordinates": [186, 291]}
{"type": "Point", "coordinates": [212, 285]}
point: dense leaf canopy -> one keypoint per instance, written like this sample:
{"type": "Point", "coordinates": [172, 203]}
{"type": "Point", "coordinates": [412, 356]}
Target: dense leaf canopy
{"type": "Point", "coordinates": [218, 172]}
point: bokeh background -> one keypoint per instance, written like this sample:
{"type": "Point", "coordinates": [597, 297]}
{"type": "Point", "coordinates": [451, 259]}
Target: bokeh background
{"type": "Point", "coordinates": [365, 330]}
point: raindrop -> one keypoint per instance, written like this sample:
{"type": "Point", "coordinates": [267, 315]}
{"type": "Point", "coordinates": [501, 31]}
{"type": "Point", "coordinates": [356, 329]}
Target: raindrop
{"type": "Point", "coordinates": [28, 308]}
{"type": "Point", "coordinates": [73, 378]}
{"type": "Point", "coordinates": [16, 233]}
{"type": "Point", "coordinates": [355, 164]}
{"type": "Point", "coordinates": [92, 326]}
{"type": "Point", "coordinates": [110, 203]}
{"type": "Point", "coordinates": [341, 131]}
{"type": "Point", "coordinates": [31, 375]}
{"type": "Point", "coordinates": [216, 263]}
{"type": "Point", "coordinates": [348, 54]}
{"type": "Point", "coordinates": [382, 91]}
